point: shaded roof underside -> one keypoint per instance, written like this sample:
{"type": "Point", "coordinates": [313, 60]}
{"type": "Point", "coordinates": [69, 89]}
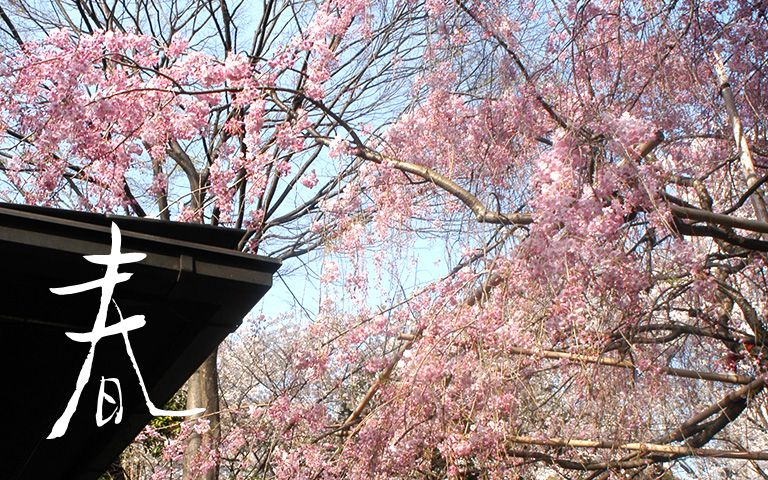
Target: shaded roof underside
{"type": "Point", "coordinates": [192, 290]}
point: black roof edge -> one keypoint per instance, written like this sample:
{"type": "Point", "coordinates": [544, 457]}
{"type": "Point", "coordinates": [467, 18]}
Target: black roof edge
{"type": "Point", "coordinates": [199, 238]}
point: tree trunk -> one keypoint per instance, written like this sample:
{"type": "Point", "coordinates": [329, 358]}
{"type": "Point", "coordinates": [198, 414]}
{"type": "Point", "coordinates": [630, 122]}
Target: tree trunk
{"type": "Point", "coordinates": [745, 154]}
{"type": "Point", "coordinates": [203, 391]}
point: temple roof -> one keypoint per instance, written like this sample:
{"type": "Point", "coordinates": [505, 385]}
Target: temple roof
{"type": "Point", "coordinates": [193, 287]}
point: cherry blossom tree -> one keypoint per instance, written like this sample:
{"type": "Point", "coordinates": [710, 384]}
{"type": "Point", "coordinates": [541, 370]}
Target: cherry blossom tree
{"type": "Point", "coordinates": [590, 174]}
{"type": "Point", "coordinates": [166, 121]}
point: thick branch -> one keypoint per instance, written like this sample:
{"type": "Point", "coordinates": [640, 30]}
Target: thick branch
{"type": "Point", "coordinates": [675, 372]}
{"type": "Point", "coordinates": [718, 219]}
{"type": "Point", "coordinates": [482, 214]}
{"type": "Point", "coordinates": [735, 396]}
{"type": "Point", "coordinates": [185, 162]}
{"type": "Point", "coordinates": [639, 447]}
{"type": "Point", "coordinates": [11, 27]}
